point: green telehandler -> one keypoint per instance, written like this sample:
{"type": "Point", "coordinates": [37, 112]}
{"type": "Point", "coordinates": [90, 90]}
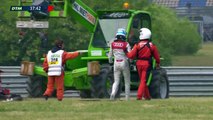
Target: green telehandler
{"type": "Point", "coordinates": [103, 25]}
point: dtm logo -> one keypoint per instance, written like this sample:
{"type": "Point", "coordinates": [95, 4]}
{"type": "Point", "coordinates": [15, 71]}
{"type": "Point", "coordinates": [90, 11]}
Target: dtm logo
{"type": "Point", "coordinates": [118, 44]}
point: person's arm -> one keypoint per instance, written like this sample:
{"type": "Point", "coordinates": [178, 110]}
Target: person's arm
{"type": "Point", "coordinates": [132, 54]}
{"type": "Point", "coordinates": [72, 55]}
{"type": "Point", "coordinates": [110, 55]}
{"type": "Point", "coordinates": [45, 65]}
{"type": "Point", "coordinates": [156, 55]}
{"type": "Point", "coordinates": [128, 47]}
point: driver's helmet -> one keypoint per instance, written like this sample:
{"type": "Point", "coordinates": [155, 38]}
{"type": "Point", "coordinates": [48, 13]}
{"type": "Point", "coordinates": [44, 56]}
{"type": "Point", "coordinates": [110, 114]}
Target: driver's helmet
{"type": "Point", "coordinates": [121, 34]}
{"type": "Point", "coordinates": [145, 34]}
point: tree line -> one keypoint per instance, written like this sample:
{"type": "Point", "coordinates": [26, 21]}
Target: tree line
{"type": "Point", "coordinates": [172, 35]}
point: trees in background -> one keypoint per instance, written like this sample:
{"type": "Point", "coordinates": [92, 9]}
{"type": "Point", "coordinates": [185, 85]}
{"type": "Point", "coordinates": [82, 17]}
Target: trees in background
{"type": "Point", "coordinates": [172, 35]}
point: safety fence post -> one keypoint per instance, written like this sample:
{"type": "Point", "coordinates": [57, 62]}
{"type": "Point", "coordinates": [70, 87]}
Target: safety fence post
{"type": "Point", "coordinates": [0, 81]}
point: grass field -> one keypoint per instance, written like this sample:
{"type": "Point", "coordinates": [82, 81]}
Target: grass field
{"type": "Point", "coordinates": [190, 108]}
{"type": "Point", "coordinates": [204, 57]}
{"type": "Point", "coordinates": [196, 108]}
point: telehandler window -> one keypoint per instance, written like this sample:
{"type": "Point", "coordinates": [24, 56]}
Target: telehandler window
{"type": "Point", "coordinates": [106, 30]}
{"type": "Point", "coordinates": [139, 21]}
{"type": "Point", "coordinates": [99, 40]}
{"type": "Point", "coordinates": [134, 30]}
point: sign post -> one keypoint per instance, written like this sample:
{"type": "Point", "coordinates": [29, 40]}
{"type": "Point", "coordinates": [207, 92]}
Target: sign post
{"type": "Point", "coordinates": [32, 24]}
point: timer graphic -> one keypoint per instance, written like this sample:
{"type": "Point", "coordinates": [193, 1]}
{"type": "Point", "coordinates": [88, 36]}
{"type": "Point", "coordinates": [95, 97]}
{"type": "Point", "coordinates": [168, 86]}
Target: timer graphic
{"type": "Point", "coordinates": [31, 8]}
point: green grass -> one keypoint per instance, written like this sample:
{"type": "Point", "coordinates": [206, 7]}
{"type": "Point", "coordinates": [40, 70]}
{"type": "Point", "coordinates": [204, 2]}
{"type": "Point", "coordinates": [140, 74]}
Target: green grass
{"type": "Point", "coordinates": [204, 57]}
{"type": "Point", "coordinates": [76, 109]}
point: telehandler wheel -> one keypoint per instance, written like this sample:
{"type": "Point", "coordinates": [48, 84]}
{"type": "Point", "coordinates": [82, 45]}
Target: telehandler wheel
{"type": "Point", "coordinates": [85, 93]}
{"type": "Point", "coordinates": [36, 86]}
{"type": "Point", "coordinates": [159, 87]}
{"type": "Point", "coordinates": [102, 83]}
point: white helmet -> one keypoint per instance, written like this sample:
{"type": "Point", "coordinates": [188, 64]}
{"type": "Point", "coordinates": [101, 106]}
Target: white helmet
{"type": "Point", "coordinates": [145, 33]}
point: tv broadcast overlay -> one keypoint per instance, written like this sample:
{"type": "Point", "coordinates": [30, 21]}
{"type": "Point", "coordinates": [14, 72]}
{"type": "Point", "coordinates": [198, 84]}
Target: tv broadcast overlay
{"type": "Point", "coordinates": [31, 8]}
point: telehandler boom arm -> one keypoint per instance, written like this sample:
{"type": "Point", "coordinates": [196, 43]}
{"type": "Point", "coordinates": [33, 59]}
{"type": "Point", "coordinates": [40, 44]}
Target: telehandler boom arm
{"type": "Point", "coordinates": [63, 8]}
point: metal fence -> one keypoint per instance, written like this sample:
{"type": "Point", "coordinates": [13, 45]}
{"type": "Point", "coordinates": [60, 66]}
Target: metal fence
{"type": "Point", "coordinates": [190, 81]}
{"type": "Point", "coordinates": [12, 80]}
{"type": "Point", "coordinates": [184, 81]}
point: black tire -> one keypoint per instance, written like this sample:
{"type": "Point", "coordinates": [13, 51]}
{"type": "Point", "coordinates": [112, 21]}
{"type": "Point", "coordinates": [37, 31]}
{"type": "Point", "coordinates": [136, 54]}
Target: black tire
{"type": "Point", "coordinates": [36, 86]}
{"type": "Point", "coordinates": [102, 83]}
{"type": "Point", "coordinates": [85, 94]}
{"type": "Point", "coordinates": [159, 87]}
